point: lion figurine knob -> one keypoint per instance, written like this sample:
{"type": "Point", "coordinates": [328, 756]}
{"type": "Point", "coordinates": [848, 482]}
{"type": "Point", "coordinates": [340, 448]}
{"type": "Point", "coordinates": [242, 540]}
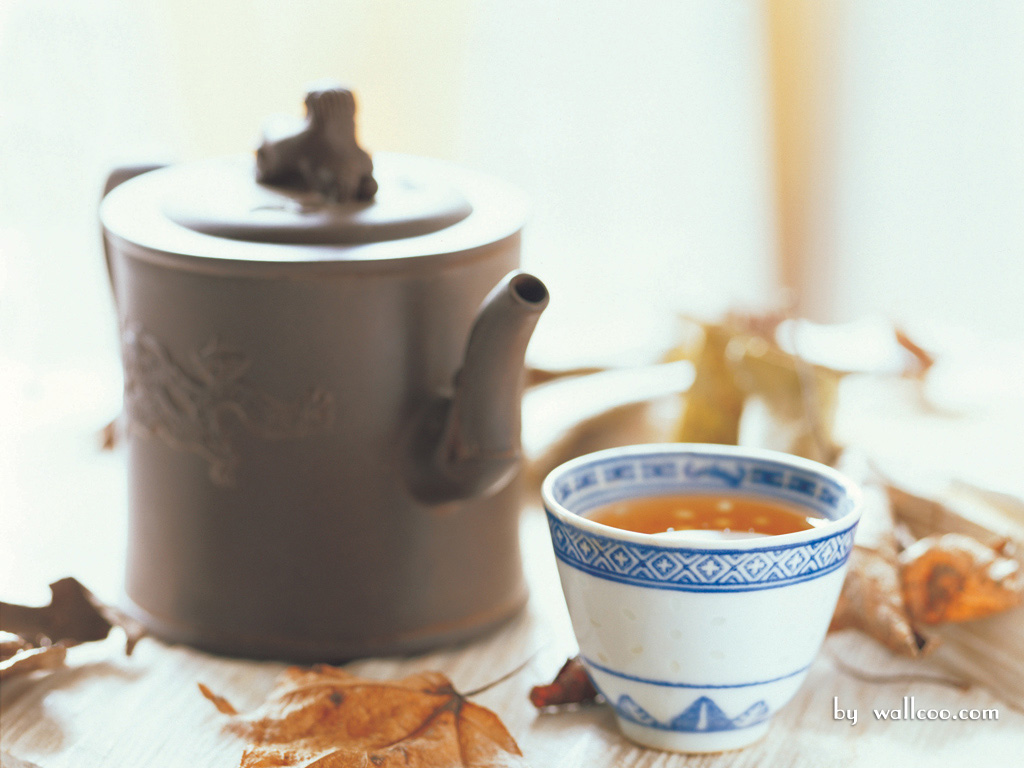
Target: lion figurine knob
{"type": "Point", "coordinates": [319, 153]}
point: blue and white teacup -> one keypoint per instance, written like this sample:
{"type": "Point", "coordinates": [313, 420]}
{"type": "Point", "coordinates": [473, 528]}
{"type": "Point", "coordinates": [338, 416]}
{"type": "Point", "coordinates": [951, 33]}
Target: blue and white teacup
{"type": "Point", "coordinates": [697, 643]}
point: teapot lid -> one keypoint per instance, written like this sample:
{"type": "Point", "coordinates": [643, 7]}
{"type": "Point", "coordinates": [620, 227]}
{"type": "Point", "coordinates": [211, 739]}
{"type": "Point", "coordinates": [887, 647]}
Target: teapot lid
{"type": "Point", "coordinates": [220, 198]}
{"type": "Point", "coordinates": [310, 195]}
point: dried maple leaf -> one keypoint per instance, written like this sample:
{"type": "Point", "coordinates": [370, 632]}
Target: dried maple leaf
{"type": "Point", "coordinates": [74, 615]}
{"type": "Point", "coordinates": [330, 718]}
{"type": "Point", "coordinates": [954, 577]}
{"type": "Point", "coordinates": [572, 685]}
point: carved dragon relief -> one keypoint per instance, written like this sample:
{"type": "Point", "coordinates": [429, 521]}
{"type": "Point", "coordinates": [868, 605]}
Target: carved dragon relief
{"type": "Point", "coordinates": [190, 406]}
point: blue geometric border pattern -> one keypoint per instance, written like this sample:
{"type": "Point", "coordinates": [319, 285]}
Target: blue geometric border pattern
{"type": "Point", "coordinates": [703, 716]}
{"type": "Point", "coordinates": [691, 570]}
{"type": "Point", "coordinates": [607, 480]}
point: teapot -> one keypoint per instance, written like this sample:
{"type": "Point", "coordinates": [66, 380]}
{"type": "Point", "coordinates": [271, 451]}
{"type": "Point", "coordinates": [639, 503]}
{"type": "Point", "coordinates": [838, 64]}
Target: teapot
{"type": "Point", "coordinates": [323, 361]}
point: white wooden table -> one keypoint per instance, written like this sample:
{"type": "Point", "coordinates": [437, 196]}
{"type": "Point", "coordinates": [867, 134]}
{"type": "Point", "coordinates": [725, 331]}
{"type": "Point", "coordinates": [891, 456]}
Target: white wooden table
{"type": "Point", "coordinates": [62, 512]}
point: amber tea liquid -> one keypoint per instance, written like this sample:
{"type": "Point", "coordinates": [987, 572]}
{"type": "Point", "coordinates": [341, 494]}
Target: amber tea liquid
{"type": "Point", "coordinates": [733, 517]}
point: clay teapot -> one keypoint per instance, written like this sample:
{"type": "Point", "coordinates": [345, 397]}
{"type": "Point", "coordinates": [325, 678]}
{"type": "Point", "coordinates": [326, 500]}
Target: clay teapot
{"type": "Point", "coordinates": [323, 358]}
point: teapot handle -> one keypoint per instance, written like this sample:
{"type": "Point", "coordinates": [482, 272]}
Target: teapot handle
{"type": "Point", "coordinates": [115, 178]}
{"type": "Point", "coordinates": [123, 173]}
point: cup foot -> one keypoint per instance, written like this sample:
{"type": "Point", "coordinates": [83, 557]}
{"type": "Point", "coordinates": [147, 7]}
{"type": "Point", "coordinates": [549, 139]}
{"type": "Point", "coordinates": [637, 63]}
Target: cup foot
{"type": "Point", "coordinates": [693, 742]}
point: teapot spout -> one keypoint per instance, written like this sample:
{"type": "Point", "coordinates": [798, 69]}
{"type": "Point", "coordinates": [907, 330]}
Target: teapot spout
{"type": "Point", "coordinates": [468, 444]}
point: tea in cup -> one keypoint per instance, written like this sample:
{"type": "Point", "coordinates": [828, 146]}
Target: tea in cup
{"type": "Point", "coordinates": [700, 581]}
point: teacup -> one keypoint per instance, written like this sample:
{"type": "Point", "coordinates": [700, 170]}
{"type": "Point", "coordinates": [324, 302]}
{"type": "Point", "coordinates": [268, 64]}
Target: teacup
{"type": "Point", "coordinates": [697, 643]}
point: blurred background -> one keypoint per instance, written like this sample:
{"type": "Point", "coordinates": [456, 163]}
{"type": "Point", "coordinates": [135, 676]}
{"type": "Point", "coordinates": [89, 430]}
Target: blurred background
{"type": "Point", "coordinates": [859, 157]}
{"type": "Point", "coordinates": [647, 138]}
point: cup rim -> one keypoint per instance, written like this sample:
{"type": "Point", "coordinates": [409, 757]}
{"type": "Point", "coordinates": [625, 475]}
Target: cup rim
{"type": "Point", "coordinates": [778, 541]}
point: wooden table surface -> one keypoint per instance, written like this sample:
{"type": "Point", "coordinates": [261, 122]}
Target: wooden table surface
{"type": "Point", "coordinates": [63, 510]}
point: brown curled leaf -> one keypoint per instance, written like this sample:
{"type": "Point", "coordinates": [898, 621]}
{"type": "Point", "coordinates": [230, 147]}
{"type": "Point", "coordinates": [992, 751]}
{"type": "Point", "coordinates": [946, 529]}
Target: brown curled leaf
{"type": "Point", "coordinates": [954, 577]}
{"type": "Point", "coordinates": [327, 716]}
{"type": "Point", "coordinates": [33, 660]}
{"type": "Point", "coordinates": [223, 705]}
{"type": "Point", "coordinates": [572, 685]}
{"type": "Point", "coordinates": [872, 599]}
{"type": "Point", "coordinates": [922, 360]}
{"type": "Point", "coordinates": [74, 615]}
{"type": "Point", "coordinates": [110, 435]}
{"type": "Point", "coordinates": [872, 602]}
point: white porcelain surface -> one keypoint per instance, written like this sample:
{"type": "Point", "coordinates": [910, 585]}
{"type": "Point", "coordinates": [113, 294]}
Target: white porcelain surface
{"type": "Point", "coordinates": [697, 643]}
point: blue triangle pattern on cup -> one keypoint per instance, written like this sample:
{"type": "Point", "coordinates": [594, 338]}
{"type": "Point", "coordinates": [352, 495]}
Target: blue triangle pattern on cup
{"type": "Point", "coordinates": [703, 716]}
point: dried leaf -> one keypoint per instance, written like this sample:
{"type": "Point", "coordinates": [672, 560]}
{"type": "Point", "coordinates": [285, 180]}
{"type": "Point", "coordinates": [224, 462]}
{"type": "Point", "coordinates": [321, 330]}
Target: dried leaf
{"type": "Point", "coordinates": [937, 579]}
{"type": "Point", "coordinates": [7, 760]}
{"type": "Point", "coordinates": [714, 403]}
{"type": "Point", "coordinates": [110, 435]}
{"type": "Point", "coordinates": [961, 568]}
{"type": "Point", "coordinates": [74, 615]}
{"type": "Point", "coordinates": [872, 602]}
{"type": "Point", "coordinates": [957, 578]}
{"type": "Point", "coordinates": [331, 718]}
{"type": "Point", "coordinates": [872, 596]}
{"type": "Point", "coordinates": [33, 660]}
{"type": "Point", "coordinates": [800, 398]}
{"type": "Point", "coordinates": [986, 652]}
{"type": "Point", "coordinates": [11, 643]}
{"type": "Point", "coordinates": [741, 361]}
{"type": "Point", "coordinates": [572, 685]}
{"type": "Point", "coordinates": [223, 705]}
{"type": "Point", "coordinates": [979, 513]}
{"type": "Point", "coordinates": [922, 360]}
